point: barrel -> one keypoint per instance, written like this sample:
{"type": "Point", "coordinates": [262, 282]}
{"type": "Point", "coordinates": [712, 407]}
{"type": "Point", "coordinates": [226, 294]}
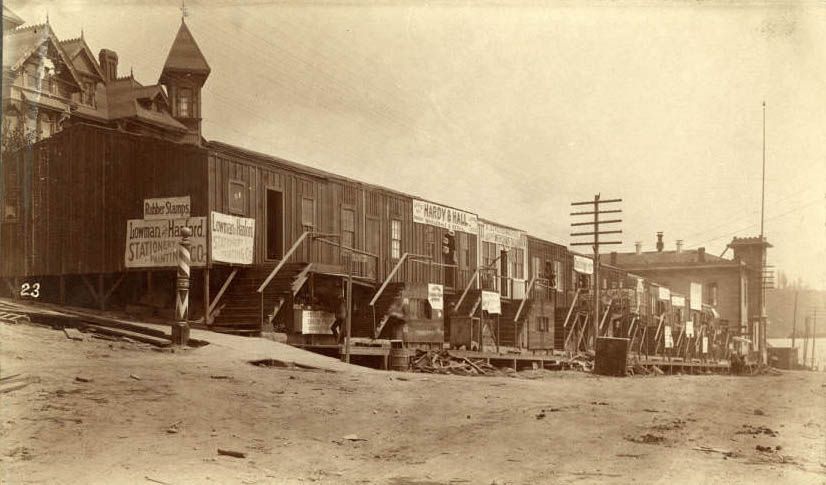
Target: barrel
{"type": "Point", "coordinates": [399, 359]}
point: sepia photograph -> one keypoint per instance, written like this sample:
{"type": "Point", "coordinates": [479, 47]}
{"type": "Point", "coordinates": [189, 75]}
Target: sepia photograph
{"type": "Point", "coordinates": [412, 242]}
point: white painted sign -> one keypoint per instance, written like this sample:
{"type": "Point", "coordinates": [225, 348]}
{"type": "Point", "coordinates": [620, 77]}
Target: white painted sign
{"type": "Point", "coordinates": [154, 243]}
{"type": "Point", "coordinates": [696, 296]}
{"type": "Point", "coordinates": [232, 238]}
{"type": "Point", "coordinates": [583, 265]}
{"type": "Point", "coordinates": [445, 217]}
{"type": "Point", "coordinates": [678, 300]}
{"type": "Point", "coordinates": [435, 295]}
{"type": "Point", "coordinates": [503, 236]}
{"type": "Point", "coordinates": [705, 345]}
{"type": "Point", "coordinates": [669, 339]}
{"type": "Point", "coordinates": [491, 302]}
{"type": "Point", "coordinates": [314, 322]}
{"type": "Point", "coordinates": [167, 208]}
{"type": "Point", "coordinates": [689, 328]}
{"type": "Point", "coordinates": [664, 293]}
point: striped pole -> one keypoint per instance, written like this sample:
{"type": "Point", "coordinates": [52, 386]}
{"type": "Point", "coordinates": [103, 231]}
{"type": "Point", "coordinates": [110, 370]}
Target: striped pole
{"type": "Point", "coordinates": [180, 329]}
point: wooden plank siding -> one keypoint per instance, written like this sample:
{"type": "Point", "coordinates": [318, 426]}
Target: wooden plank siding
{"type": "Point", "coordinates": [84, 184]}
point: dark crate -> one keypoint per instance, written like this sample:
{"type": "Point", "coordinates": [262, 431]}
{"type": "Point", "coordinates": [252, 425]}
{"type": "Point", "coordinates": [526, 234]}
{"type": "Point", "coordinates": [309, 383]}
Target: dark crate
{"type": "Point", "coordinates": [611, 355]}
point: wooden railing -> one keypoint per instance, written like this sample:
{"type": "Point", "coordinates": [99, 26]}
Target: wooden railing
{"type": "Point", "coordinates": [277, 268]}
{"type": "Point", "coordinates": [527, 295]}
{"type": "Point", "coordinates": [473, 278]}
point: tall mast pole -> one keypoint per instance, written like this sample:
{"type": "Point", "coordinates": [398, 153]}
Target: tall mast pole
{"type": "Point", "coordinates": [763, 190]}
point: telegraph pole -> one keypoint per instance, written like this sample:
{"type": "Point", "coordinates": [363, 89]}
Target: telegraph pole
{"type": "Point", "coordinates": [595, 244]}
{"type": "Point", "coordinates": [794, 318]}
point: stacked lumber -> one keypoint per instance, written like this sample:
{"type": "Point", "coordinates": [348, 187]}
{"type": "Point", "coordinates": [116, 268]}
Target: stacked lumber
{"type": "Point", "coordinates": [441, 362]}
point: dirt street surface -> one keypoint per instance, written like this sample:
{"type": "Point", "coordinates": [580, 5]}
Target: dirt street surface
{"type": "Point", "coordinates": [141, 416]}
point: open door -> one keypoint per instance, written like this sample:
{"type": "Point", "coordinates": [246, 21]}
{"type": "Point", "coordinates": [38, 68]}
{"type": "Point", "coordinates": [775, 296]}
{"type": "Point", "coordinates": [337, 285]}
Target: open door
{"type": "Point", "coordinates": [503, 272]}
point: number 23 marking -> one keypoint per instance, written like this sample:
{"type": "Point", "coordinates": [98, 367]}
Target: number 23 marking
{"type": "Point", "coordinates": [31, 290]}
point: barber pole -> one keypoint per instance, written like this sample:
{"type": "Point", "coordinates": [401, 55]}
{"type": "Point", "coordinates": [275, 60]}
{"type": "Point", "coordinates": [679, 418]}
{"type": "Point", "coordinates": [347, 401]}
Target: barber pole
{"type": "Point", "coordinates": [180, 329]}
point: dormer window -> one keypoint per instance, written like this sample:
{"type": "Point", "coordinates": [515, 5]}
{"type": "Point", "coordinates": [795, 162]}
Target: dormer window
{"type": "Point", "coordinates": [185, 103]}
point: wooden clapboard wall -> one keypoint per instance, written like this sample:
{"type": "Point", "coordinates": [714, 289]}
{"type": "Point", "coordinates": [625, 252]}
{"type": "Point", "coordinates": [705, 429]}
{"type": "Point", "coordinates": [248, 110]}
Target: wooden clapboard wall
{"type": "Point", "coordinates": [82, 185]}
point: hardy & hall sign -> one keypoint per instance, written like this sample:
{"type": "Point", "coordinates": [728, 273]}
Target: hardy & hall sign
{"type": "Point", "coordinates": [154, 243]}
{"type": "Point", "coordinates": [166, 208]}
{"type": "Point", "coordinates": [232, 238]}
{"type": "Point", "coordinates": [445, 217]}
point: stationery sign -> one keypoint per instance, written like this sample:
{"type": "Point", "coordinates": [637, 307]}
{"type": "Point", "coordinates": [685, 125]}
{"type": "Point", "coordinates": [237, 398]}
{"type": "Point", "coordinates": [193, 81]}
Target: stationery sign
{"type": "Point", "coordinates": [583, 265]}
{"type": "Point", "coordinates": [669, 339]}
{"type": "Point", "coordinates": [689, 328]}
{"type": "Point", "coordinates": [705, 345]}
{"type": "Point", "coordinates": [154, 243]}
{"type": "Point", "coordinates": [696, 296]}
{"type": "Point", "coordinates": [677, 300]}
{"type": "Point", "coordinates": [313, 322]}
{"type": "Point", "coordinates": [444, 217]}
{"type": "Point", "coordinates": [231, 238]}
{"type": "Point", "coordinates": [665, 293]}
{"type": "Point", "coordinates": [491, 302]}
{"type": "Point", "coordinates": [435, 295]}
{"type": "Point", "coordinates": [166, 208]}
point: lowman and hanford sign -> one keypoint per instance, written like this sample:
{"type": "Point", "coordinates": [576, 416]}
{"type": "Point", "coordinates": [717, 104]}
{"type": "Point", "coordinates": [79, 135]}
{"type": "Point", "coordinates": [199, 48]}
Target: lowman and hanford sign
{"type": "Point", "coordinates": [152, 242]}
{"type": "Point", "coordinates": [444, 217]}
{"type": "Point", "coordinates": [583, 265]}
{"type": "Point", "coordinates": [503, 236]}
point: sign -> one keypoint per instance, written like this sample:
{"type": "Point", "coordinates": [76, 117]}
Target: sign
{"type": "Point", "coordinates": [435, 295]}
{"type": "Point", "coordinates": [445, 217]}
{"type": "Point", "coordinates": [231, 238]}
{"type": "Point", "coordinates": [669, 339]}
{"type": "Point", "coordinates": [154, 243]}
{"type": "Point", "coordinates": [503, 236]}
{"type": "Point", "coordinates": [491, 303]}
{"type": "Point", "coordinates": [705, 345]}
{"type": "Point", "coordinates": [166, 208]}
{"type": "Point", "coordinates": [696, 296]}
{"type": "Point", "coordinates": [583, 265]}
{"type": "Point", "coordinates": [314, 322]}
{"type": "Point", "coordinates": [664, 293]}
{"type": "Point", "coordinates": [678, 300]}
{"type": "Point", "coordinates": [689, 328]}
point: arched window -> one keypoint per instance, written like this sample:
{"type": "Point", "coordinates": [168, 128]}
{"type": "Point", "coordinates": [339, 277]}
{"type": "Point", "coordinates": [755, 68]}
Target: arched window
{"type": "Point", "coordinates": [185, 103]}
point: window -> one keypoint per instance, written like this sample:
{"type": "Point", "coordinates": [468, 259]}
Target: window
{"type": "Point", "coordinates": [519, 264]}
{"type": "Point", "coordinates": [395, 239]}
{"type": "Point", "coordinates": [464, 253]}
{"type": "Point", "coordinates": [430, 241]}
{"type": "Point", "coordinates": [237, 197]}
{"type": "Point", "coordinates": [185, 103]}
{"type": "Point", "coordinates": [348, 228]}
{"type": "Point", "coordinates": [11, 190]}
{"type": "Point", "coordinates": [711, 297]}
{"type": "Point", "coordinates": [544, 323]}
{"type": "Point", "coordinates": [89, 93]}
{"type": "Point", "coordinates": [560, 281]}
{"type": "Point", "coordinates": [46, 125]}
{"type": "Point", "coordinates": [535, 269]}
{"type": "Point", "coordinates": [307, 214]}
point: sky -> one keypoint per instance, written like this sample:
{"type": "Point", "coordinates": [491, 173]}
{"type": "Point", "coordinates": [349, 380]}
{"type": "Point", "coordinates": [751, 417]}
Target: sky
{"type": "Point", "coordinates": [513, 110]}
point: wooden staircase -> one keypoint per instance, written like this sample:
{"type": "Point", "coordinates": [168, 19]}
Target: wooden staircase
{"type": "Point", "coordinates": [470, 305]}
{"type": "Point", "coordinates": [507, 326]}
{"type": "Point", "coordinates": [240, 309]}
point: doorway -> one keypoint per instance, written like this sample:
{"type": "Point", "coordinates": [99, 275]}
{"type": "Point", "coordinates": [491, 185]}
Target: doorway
{"type": "Point", "coordinates": [503, 271]}
{"type": "Point", "coordinates": [275, 224]}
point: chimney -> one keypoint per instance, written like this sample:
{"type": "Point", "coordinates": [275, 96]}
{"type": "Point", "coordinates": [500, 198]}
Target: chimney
{"type": "Point", "coordinates": [108, 64]}
{"type": "Point", "coordinates": [660, 244]}
{"type": "Point", "coordinates": [638, 247]}
{"type": "Point", "coordinates": [613, 258]}
{"type": "Point", "coordinates": [701, 255]}
{"type": "Point", "coordinates": [679, 245]}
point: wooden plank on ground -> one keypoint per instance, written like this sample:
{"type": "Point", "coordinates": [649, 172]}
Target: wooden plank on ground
{"type": "Point", "coordinates": [74, 334]}
{"type": "Point", "coordinates": [140, 337]}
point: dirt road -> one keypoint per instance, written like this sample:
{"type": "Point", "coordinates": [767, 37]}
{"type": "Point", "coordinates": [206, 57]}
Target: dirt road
{"type": "Point", "coordinates": [151, 417]}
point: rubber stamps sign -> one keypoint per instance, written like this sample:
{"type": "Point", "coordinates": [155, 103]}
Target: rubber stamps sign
{"type": "Point", "coordinates": [154, 243]}
{"type": "Point", "coordinates": [232, 238]}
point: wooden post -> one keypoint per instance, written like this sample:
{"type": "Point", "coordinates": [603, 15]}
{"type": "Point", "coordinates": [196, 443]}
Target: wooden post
{"type": "Point", "coordinates": [348, 321]}
{"type": "Point", "coordinates": [206, 296]}
{"type": "Point", "coordinates": [101, 298]}
{"type": "Point", "coordinates": [62, 289]}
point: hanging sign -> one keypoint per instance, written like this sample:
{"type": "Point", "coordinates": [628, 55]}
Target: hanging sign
{"type": "Point", "coordinates": [665, 293]}
{"type": "Point", "coordinates": [444, 217]}
{"type": "Point", "coordinates": [669, 339]}
{"type": "Point", "coordinates": [435, 295]}
{"type": "Point", "coordinates": [166, 208]}
{"type": "Point", "coordinates": [503, 236]}
{"type": "Point", "coordinates": [154, 243]}
{"type": "Point", "coordinates": [491, 303]}
{"type": "Point", "coordinates": [678, 300]}
{"type": "Point", "coordinates": [314, 322]}
{"type": "Point", "coordinates": [689, 328]}
{"type": "Point", "coordinates": [583, 265]}
{"type": "Point", "coordinates": [231, 238]}
{"type": "Point", "coordinates": [696, 296]}
{"type": "Point", "coordinates": [705, 345]}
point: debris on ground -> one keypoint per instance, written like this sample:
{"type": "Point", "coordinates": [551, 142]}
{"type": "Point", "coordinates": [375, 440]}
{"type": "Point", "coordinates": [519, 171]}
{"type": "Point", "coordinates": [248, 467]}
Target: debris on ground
{"type": "Point", "coordinates": [582, 361]}
{"type": "Point", "coordinates": [708, 449]}
{"type": "Point", "coordinates": [82, 379]}
{"type": "Point", "coordinates": [232, 453]}
{"type": "Point", "coordinates": [73, 334]}
{"type": "Point", "coordinates": [134, 376]}
{"type": "Point", "coordinates": [756, 430]}
{"type": "Point", "coordinates": [174, 427]}
{"type": "Point", "coordinates": [441, 362]}
{"type": "Point", "coordinates": [353, 437]}
{"type": "Point", "coordinates": [647, 438]}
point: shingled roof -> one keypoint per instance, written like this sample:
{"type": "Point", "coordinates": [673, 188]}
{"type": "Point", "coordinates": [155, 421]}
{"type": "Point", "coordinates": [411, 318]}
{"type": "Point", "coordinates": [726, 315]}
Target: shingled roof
{"type": "Point", "coordinates": [185, 55]}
